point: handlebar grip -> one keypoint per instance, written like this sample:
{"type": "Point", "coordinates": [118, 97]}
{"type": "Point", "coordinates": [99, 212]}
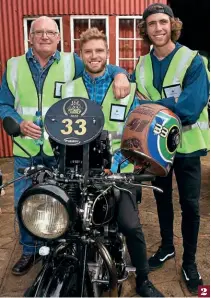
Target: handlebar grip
{"type": "Point", "coordinates": [144, 177]}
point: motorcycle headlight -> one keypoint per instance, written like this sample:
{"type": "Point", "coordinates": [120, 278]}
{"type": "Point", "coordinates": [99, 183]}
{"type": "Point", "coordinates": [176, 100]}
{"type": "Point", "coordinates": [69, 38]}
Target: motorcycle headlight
{"type": "Point", "coordinates": [46, 211]}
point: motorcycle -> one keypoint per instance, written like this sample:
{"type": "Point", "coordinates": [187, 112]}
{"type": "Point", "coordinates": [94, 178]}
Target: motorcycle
{"type": "Point", "coordinates": [72, 208]}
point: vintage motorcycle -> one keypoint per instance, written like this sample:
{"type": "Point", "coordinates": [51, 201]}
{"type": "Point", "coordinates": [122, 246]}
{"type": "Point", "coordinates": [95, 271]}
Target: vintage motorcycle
{"type": "Point", "coordinates": [71, 208]}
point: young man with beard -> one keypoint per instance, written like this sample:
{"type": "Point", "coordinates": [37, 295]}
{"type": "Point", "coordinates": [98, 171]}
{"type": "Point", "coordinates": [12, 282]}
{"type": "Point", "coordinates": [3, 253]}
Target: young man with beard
{"type": "Point", "coordinates": [96, 85]}
{"type": "Point", "coordinates": [177, 75]}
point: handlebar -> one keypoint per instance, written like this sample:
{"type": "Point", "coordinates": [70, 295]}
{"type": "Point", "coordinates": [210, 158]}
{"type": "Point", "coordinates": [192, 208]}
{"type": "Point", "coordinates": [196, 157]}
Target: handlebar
{"type": "Point", "coordinates": [127, 178]}
{"type": "Point", "coordinates": [119, 177]}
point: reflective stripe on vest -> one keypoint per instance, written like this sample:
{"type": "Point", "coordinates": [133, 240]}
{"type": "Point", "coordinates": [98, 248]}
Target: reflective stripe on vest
{"type": "Point", "coordinates": [12, 69]}
{"type": "Point", "coordinates": [141, 76]}
{"type": "Point", "coordinates": [114, 128]}
{"type": "Point", "coordinates": [201, 125]}
{"type": "Point", "coordinates": [175, 75]}
{"type": "Point", "coordinates": [68, 66]}
{"type": "Point", "coordinates": [26, 97]}
{"type": "Point", "coordinates": [205, 60]}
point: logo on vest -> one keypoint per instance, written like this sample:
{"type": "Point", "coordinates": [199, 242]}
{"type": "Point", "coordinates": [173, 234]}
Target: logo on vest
{"type": "Point", "coordinates": [75, 107]}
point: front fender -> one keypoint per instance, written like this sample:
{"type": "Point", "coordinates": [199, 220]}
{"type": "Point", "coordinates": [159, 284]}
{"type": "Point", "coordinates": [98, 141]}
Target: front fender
{"type": "Point", "coordinates": [55, 281]}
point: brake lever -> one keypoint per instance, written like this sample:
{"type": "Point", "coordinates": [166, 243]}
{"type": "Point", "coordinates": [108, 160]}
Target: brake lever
{"type": "Point", "coordinates": [11, 181]}
{"type": "Point", "coordinates": [25, 175]}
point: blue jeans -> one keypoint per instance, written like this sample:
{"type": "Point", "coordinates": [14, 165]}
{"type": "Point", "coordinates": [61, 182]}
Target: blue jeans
{"type": "Point", "coordinates": [29, 242]}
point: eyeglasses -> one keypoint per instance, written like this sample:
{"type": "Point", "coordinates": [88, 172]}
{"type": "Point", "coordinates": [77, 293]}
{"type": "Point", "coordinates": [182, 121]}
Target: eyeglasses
{"type": "Point", "coordinates": [40, 33]}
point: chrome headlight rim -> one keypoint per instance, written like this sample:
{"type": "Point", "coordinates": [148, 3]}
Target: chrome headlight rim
{"type": "Point", "coordinates": [57, 193]}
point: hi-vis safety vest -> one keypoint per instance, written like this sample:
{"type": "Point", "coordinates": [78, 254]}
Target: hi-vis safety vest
{"type": "Point", "coordinates": [21, 85]}
{"type": "Point", "coordinates": [194, 137]}
{"type": "Point", "coordinates": [205, 60]}
{"type": "Point", "coordinates": [114, 127]}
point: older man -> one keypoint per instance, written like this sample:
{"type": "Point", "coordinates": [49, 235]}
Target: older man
{"type": "Point", "coordinates": [30, 85]}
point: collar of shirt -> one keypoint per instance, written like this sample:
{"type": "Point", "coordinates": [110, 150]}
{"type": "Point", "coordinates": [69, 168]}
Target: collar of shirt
{"type": "Point", "coordinates": [105, 77]}
{"type": "Point", "coordinates": [30, 56]}
{"type": "Point", "coordinates": [97, 88]}
{"type": "Point", "coordinates": [177, 46]}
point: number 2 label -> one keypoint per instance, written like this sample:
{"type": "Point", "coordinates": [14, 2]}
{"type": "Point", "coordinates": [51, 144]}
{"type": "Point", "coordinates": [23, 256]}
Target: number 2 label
{"type": "Point", "coordinates": [204, 291]}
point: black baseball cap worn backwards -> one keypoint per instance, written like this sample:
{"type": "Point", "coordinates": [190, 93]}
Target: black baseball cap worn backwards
{"type": "Point", "coordinates": [157, 8]}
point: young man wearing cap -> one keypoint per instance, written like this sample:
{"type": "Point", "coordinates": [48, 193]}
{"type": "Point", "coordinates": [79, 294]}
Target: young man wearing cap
{"type": "Point", "coordinates": [177, 75]}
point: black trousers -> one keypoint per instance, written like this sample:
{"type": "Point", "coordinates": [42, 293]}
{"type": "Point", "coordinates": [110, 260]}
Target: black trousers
{"type": "Point", "coordinates": [188, 176]}
{"type": "Point", "coordinates": [129, 224]}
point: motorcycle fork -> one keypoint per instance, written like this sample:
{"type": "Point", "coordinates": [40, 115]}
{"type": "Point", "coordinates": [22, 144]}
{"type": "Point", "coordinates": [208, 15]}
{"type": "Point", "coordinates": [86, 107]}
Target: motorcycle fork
{"type": "Point", "coordinates": [84, 283]}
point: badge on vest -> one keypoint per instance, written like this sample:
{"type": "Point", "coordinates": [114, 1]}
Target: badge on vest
{"type": "Point", "coordinates": [173, 90]}
{"type": "Point", "coordinates": [117, 113]}
{"type": "Point", "coordinates": [58, 89]}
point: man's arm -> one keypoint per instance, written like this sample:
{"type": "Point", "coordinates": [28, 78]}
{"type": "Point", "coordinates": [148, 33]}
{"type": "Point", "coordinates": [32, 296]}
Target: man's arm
{"type": "Point", "coordinates": [79, 67]}
{"type": "Point", "coordinates": [7, 102]}
{"type": "Point", "coordinates": [121, 85]}
{"type": "Point", "coordinates": [133, 77]}
{"type": "Point", "coordinates": [195, 94]}
{"type": "Point", "coordinates": [168, 102]}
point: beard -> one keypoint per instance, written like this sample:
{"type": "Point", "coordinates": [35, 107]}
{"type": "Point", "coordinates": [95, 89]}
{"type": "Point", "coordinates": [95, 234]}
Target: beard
{"type": "Point", "coordinates": [95, 71]}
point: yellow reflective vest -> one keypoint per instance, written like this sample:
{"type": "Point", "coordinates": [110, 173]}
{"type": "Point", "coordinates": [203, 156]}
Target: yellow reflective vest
{"type": "Point", "coordinates": [21, 84]}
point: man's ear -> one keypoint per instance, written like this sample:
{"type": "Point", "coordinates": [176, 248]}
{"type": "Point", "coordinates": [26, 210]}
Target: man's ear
{"type": "Point", "coordinates": [58, 38]}
{"type": "Point", "coordinates": [30, 39]}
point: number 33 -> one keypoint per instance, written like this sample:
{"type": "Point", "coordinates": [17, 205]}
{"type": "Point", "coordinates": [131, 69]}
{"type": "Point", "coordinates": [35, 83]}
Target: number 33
{"type": "Point", "coordinates": [69, 128]}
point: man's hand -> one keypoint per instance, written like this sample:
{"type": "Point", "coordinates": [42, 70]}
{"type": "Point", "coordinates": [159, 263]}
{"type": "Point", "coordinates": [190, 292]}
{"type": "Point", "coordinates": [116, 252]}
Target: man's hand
{"type": "Point", "coordinates": [29, 129]}
{"type": "Point", "coordinates": [121, 86]}
{"type": "Point", "coordinates": [108, 172]}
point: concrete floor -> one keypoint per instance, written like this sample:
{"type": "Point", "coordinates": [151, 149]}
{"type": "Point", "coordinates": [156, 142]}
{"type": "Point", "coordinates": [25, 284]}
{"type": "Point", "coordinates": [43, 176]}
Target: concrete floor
{"type": "Point", "coordinates": [167, 279]}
